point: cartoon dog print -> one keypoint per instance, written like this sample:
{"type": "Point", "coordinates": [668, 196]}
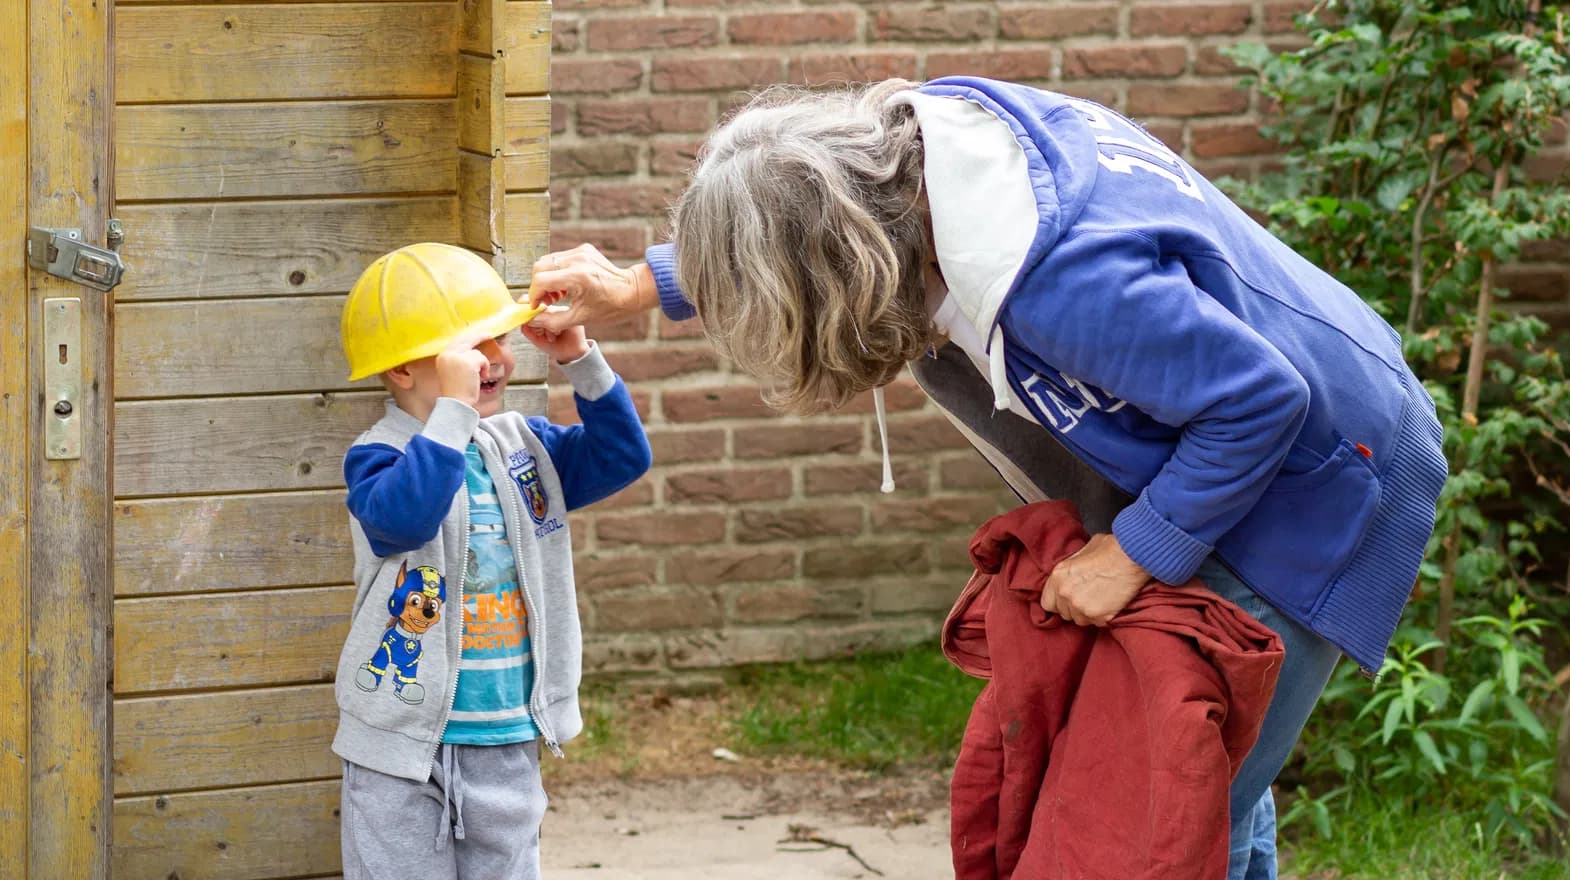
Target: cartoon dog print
{"type": "Point", "coordinates": [415, 606]}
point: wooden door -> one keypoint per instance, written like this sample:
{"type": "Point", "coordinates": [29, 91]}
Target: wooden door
{"type": "Point", "coordinates": [54, 511]}
{"type": "Point", "coordinates": [264, 154]}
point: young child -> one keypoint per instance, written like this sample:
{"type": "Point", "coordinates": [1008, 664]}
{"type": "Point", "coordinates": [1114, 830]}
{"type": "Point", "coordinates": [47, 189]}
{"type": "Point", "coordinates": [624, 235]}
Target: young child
{"type": "Point", "coordinates": [464, 653]}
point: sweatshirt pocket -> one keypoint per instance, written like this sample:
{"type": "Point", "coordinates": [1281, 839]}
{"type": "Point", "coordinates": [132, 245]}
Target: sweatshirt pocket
{"type": "Point", "coordinates": [1304, 529]}
{"type": "Point", "coordinates": [393, 672]}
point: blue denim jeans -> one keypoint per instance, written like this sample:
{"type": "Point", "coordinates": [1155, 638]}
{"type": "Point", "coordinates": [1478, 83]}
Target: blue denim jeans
{"type": "Point", "coordinates": [1304, 673]}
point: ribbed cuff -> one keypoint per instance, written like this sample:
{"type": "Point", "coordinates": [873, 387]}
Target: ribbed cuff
{"type": "Point", "coordinates": [1170, 554]}
{"type": "Point", "coordinates": [662, 263]}
{"type": "Point", "coordinates": [590, 375]}
{"type": "Point", "coordinates": [451, 424]}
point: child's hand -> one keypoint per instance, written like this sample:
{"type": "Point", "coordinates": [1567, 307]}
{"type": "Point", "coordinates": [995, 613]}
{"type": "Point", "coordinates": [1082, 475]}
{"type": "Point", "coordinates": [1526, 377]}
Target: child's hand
{"type": "Point", "coordinates": [460, 366]}
{"type": "Point", "coordinates": [565, 345]}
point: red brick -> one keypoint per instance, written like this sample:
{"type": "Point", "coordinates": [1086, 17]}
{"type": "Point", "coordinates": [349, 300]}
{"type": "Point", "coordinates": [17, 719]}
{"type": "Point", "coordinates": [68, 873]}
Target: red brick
{"type": "Point", "coordinates": [898, 396]}
{"type": "Point", "coordinates": [1212, 169]}
{"type": "Point", "coordinates": [561, 409]}
{"type": "Point", "coordinates": [858, 479]}
{"type": "Point", "coordinates": [692, 328]}
{"type": "Point", "coordinates": [865, 560]}
{"type": "Point", "coordinates": [796, 523]}
{"type": "Point", "coordinates": [561, 203]}
{"type": "Point", "coordinates": [570, 75]}
{"type": "Point", "coordinates": [1228, 139]}
{"type": "Point", "coordinates": [964, 512]}
{"type": "Point", "coordinates": [1210, 62]}
{"type": "Point", "coordinates": [653, 32]}
{"type": "Point", "coordinates": [730, 567]}
{"type": "Point", "coordinates": [686, 4]}
{"type": "Point", "coordinates": [800, 439]}
{"type": "Point", "coordinates": [788, 604]}
{"type": "Point", "coordinates": [1536, 283]}
{"type": "Point", "coordinates": [598, 4]}
{"type": "Point", "coordinates": [909, 434]}
{"type": "Point", "coordinates": [604, 653]}
{"type": "Point", "coordinates": [561, 112]}
{"type": "Point", "coordinates": [643, 116]}
{"type": "Point", "coordinates": [603, 201]}
{"type": "Point", "coordinates": [639, 494]}
{"type": "Point", "coordinates": [663, 362]}
{"type": "Point", "coordinates": [1135, 61]}
{"type": "Point", "coordinates": [950, 554]}
{"type": "Point", "coordinates": [969, 472]}
{"type": "Point", "coordinates": [1104, 94]}
{"type": "Point", "coordinates": [615, 242]}
{"type": "Point", "coordinates": [793, 28]}
{"type": "Point", "coordinates": [1554, 250]}
{"type": "Point", "coordinates": [594, 158]}
{"type": "Point", "coordinates": [721, 402]}
{"type": "Point", "coordinates": [660, 528]}
{"type": "Point", "coordinates": [727, 485]}
{"type": "Point", "coordinates": [919, 595]}
{"type": "Point", "coordinates": [932, 23]}
{"type": "Point", "coordinates": [596, 572]}
{"type": "Point", "coordinates": [834, 68]}
{"type": "Point", "coordinates": [633, 328]}
{"type": "Point", "coordinates": [674, 158]}
{"type": "Point", "coordinates": [656, 611]}
{"type": "Point", "coordinates": [1037, 21]}
{"type": "Point", "coordinates": [566, 34]}
{"type": "Point", "coordinates": [1547, 167]}
{"type": "Point", "coordinates": [1187, 99]}
{"type": "Point", "coordinates": [1280, 17]}
{"type": "Point", "coordinates": [1169, 133]}
{"type": "Point", "coordinates": [1188, 19]}
{"type": "Point", "coordinates": [1007, 64]}
{"type": "Point", "coordinates": [713, 74]}
{"type": "Point", "coordinates": [675, 447]}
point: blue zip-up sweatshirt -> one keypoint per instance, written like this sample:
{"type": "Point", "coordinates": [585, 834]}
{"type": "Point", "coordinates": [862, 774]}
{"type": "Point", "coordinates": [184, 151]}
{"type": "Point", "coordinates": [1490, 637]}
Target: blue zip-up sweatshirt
{"type": "Point", "coordinates": [1251, 405]}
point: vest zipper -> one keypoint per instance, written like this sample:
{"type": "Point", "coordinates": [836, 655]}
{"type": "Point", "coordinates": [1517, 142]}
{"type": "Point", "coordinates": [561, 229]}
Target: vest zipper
{"type": "Point", "coordinates": [452, 687]}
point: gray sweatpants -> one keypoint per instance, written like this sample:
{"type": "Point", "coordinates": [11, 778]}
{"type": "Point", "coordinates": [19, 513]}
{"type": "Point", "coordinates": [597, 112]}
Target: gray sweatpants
{"type": "Point", "coordinates": [476, 818]}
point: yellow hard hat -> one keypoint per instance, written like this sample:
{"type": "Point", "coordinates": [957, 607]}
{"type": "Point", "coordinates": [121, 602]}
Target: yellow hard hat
{"type": "Point", "coordinates": [413, 302]}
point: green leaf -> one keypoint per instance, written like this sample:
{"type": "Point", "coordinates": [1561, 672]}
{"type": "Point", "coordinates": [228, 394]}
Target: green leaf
{"type": "Point", "coordinates": [1477, 700]}
{"type": "Point", "coordinates": [1524, 717]}
{"type": "Point", "coordinates": [1425, 744]}
{"type": "Point", "coordinates": [1510, 665]}
{"type": "Point", "coordinates": [1344, 759]}
{"type": "Point", "coordinates": [1392, 721]}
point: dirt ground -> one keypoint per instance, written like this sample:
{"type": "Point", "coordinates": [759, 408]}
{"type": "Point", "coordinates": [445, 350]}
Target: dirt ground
{"type": "Point", "coordinates": [649, 801]}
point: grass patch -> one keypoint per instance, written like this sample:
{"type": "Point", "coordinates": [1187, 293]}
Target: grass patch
{"type": "Point", "coordinates": [1389, 840]}
{"type": "Point", "coordinates": [870, 712]}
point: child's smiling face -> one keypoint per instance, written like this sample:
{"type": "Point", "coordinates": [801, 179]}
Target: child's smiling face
{"type": "Point", "coordinates": [420, 398]}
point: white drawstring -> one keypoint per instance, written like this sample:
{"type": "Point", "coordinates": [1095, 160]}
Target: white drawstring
{"type": "Point", "coordinates": [1000, 376]}
{"type": "Point", "coordinates": [883, 435]}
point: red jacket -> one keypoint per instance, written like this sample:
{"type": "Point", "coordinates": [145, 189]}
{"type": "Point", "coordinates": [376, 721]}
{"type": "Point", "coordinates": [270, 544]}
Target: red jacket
{"type": "Point", "coordinates": [1097, 752]}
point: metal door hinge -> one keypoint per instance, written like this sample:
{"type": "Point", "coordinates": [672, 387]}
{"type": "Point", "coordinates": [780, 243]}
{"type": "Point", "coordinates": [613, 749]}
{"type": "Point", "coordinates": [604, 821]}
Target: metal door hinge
{"type": "Point", "coordinates": [63, 254]}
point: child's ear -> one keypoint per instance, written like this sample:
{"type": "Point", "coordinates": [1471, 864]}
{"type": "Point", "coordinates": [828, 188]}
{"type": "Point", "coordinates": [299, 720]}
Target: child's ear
{"type": "Point", "coordinates": [399, 377]}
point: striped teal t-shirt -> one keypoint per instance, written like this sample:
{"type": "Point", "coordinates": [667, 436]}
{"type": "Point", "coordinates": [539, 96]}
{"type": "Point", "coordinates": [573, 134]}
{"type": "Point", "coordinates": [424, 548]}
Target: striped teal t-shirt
{"type": "Point", "coordinates": [496, 674]}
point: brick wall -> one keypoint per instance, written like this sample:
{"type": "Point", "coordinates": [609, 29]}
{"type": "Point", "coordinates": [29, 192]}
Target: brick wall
{"type": "Point", "coordinates": [763, 538]}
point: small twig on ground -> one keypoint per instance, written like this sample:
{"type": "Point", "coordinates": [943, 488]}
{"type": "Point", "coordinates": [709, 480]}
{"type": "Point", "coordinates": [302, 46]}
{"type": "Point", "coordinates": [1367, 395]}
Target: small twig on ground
{"type": "Point", "coordinates": [808, 834]}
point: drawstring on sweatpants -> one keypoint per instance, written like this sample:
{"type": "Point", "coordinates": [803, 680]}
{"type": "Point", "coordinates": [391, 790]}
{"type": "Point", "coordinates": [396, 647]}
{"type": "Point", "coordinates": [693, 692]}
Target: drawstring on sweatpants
{"type": "Point", "coordinates": [452, 799]}
{"type": "Point", "coordinates": [883, 435]}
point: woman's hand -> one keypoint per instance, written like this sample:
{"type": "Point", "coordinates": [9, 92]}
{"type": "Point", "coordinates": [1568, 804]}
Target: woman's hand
{"type": "Point", "coordinates": [1093, 585]}
{"type": "Point", "coordinates": [594, 288]}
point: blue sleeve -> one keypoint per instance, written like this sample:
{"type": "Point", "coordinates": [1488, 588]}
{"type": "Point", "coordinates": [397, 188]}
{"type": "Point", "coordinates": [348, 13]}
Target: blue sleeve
{"type": "Point", "coordinates": [662, 263]}
{"type": "Point", "coordinates": [1109, 310]}
{"type": "Point", "coordinates": [601, 456]}
{"type": "Point", "coordinates": [401, 498]}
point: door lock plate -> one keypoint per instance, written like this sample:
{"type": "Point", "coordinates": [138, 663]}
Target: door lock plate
{"type": "Point", "coordinates": [62, 414]}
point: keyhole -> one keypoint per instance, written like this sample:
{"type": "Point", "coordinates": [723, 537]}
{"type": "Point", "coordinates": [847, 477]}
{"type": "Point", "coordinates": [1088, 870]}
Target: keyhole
{"type": "Point", "coordinates": [62, 353]}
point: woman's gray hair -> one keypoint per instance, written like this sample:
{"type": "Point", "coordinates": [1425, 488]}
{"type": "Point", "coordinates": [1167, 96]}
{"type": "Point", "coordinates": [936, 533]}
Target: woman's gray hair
{"type": "Point", "coordinates": [802, 242]}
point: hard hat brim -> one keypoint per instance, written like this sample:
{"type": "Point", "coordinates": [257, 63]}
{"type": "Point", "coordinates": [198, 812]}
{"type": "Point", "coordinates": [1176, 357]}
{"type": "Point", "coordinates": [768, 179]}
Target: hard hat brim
{"type": "Point", "coordinates": [504, 321]}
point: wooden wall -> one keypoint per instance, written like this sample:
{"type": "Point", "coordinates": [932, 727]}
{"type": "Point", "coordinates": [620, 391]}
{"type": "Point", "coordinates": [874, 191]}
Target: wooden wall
{"type": "Point", "coordinates": [264, 154]}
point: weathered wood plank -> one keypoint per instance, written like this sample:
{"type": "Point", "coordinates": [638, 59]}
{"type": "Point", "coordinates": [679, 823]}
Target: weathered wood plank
{"type": "Point", "coordinates": [292, 149]}
{"type": "Point", "coordinates": [186, 545]}
{"type": "Point", "coordinates": [249, 444]}
{"type": "Point", "coordinates": [15, 437]}
{"type": "Point", "coordinates": [526, 144]}
{"type": "Point", "coordinates": [267, 637]}
{"type": "Point", "coordinates": [479, 105]}
{"type": "Point", "coordinates": [68, 576]}
{"type": "Point", "coordinates": [228, 250]}
{"type": "Point", "coordinates": [528, 234]}
{"type": "Point", "coordinates": [288, 830]}
{"type": "Point", "coordinates": [264, 52]}
{"type": "Point", "coordinates": [247, 737]}
{"type": "Point", "coordinates": [270, 346]}
{"type": "Point", "coordinates": [526, 46]}
{"type": "Point", "coordinates": [477, 30]}
{"type": "Point", "coordinates": [481, 226]}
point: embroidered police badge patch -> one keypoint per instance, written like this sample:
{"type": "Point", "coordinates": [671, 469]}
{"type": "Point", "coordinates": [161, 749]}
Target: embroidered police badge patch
{"type": "Point", "coordinates": [524, 471]}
